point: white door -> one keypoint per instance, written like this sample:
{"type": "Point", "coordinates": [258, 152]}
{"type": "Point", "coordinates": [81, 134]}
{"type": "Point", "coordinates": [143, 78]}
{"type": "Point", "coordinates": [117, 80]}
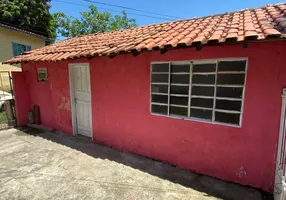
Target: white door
{"type": "Point", "coordinates": [82, 100]}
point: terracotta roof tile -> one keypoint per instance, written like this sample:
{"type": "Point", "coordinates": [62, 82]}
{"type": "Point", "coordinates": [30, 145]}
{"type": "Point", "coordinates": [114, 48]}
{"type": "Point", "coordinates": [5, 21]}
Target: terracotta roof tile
{"type": "Point", "coordinates": [249, 24]}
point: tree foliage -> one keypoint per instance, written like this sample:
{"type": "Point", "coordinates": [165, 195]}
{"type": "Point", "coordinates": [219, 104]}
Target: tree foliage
{"type": "Point", "coordinates": [31, 15]}
{"type": "Point", "coordinates": [92, 21]}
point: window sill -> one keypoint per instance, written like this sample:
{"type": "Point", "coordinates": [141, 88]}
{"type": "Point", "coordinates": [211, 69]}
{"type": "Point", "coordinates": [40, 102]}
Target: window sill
{"type": "Point", "coordinates": [197, 120]}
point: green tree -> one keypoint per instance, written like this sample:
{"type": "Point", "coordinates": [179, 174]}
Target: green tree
{"type": "Point", "coordinates": [92, 21]}
{"type": "Point", "coordinates": [31, 15]}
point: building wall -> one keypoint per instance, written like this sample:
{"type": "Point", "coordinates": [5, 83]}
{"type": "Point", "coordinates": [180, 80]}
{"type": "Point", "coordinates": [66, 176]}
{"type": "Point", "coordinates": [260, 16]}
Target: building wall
{"type": "Point", "coordinates": [5, 74]}
{"type": "Point", "coordinates": [6, 52]}
{"type": "Point", "coordinates": [8, 36]}
{"type": "Point", "coordinates": [121, 112]}
{"type": "Point", "coordinates": [53, 97]}
{"type": "Point", "coordinates": [22, 97]}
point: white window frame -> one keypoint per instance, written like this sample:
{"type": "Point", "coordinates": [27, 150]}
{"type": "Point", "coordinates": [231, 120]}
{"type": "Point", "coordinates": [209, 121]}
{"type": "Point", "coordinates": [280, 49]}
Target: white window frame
{"type": "Point", "coordinates": [203, 61]}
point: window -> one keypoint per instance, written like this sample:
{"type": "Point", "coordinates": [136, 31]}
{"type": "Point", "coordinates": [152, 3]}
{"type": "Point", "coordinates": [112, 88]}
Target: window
{"type": "Point", "coordinates": [18, 49]}
{"type": "Point", "coordinates": [204, 90]}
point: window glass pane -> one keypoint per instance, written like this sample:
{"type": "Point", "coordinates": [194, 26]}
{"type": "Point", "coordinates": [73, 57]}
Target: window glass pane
{"type": "Point", "coordinates": [159, 98]}
{"type": "Point", "coordinates": [180, 68]}
{"type": "Point", "coordinates": [200, 102]}
{"type": "Point", "coordinates": [162, 67]}
{"type": "Point", "coordinates": [203, 79]}
{"type": "Point", "coordinates": [204, 68]}
{"type": "Point", "coordinates": [159, 109]}
{"type": "Point", "coordinates": [228, 105]}
{"type": "Point", "coordinates": [178, 111]}
{"type": "Point", "coordinates": [230, 79]}
{"type": "Point", "coordinates": [203, 91]}
{"type": "Point", "coordinates": [180, 90]}
{"type": "Point", "coordinates": [18, 49]}
{"type": "Point", "coordinates": [231, 66]}
{"type": "Point", "coordinates": [200, 113]}
{"type": "Point", "coordinates": [24, 47]}
{"type": "Point", "coordinates": [160, 78]}
{"type": "Point", "coordinates": [181, 79]}
{"type": "Point", "coordinates": [28, 48]}
{"type": "Point", "coordinates": [159, 88]}
{"type": "Point", "coordinates": [228, 118]}
{"type": "Point", "coordinates": [232, 92]}
{"type": "Point", "coordinates": [15, 49]}
{"type": "Point", "coordinates": [21, 48]}
{"type": "Point", "coordinates": [179, 100]}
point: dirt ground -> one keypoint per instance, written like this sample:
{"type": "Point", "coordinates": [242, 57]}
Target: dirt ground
{"type": "Point", "coordinates": [46, 165]}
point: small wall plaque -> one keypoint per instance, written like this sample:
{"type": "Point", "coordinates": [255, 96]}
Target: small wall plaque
{"type": "Point", "coordinates": [42, 74]}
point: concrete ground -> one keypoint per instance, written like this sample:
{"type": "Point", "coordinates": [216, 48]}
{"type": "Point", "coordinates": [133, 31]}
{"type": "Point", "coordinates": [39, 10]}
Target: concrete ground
{"type": "Point", "coordinates": [45, 165]}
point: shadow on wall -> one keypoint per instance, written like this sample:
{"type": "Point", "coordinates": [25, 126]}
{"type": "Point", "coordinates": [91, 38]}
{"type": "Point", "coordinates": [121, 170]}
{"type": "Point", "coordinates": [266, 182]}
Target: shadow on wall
{"type": "Point", "coordinates": [210, 186]}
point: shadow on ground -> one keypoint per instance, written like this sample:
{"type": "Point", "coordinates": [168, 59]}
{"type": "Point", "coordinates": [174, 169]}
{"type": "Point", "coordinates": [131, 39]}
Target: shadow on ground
{"type": "Point", "coordinates": [209, 186]}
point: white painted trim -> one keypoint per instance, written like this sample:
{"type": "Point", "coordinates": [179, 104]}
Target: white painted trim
{"type": "Point", "coordinates": [72, 96]}
{"type": "Point", "coordinates": [201, 108]}
{"type": "Point", "coordinates": [180, 106]}
{"type": "Point", "coordinates": [204, 73]}
{"type": "Point", "coordinates": [180, 62]}
{"type": "Point", "coordinates": [159, 104]}
{"type": "Point", "coordinates": [203, 85]}
{"type": "Point", "coordinates": [229, 98]}
{"type": "Point", "coordinates": [160, 72]}
{"type": "Point", "coordinates": [180, 73]}
{"type": "Point", "coordinates": [202, 97]}
{"type": "Point", "coordinates": [227, 111]}
{"type": "Point", "coordinates": [72, 99]}
{"type": "Point", "coordinates": [196, 120]}
{"type": "Point", "coordinates": [150, 89]}
{"type": "Point", "coordinates": [158, 93]}
{"type": "Point", "coordinates": [169, 89]}
{"type": "Point", "coordinates": [215, 88]}
{"type": "Point", "coordinates": [159, 83]}
{"type": "Point", "coordinates": [243, 93]}
{"type": "Point", "coordinates": [179, 95]}
{"type": "Point", "coordinates": [202, 61]}
{"type": "Point", "coordinates": [179, 84]}
{"type": "Point", "coordinates": [190, 89]}
{"type": "Point", "coordinates": [241, 86]}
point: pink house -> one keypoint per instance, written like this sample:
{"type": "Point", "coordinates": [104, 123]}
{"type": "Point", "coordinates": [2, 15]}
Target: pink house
{"type": "Point", "coordinates": [203, 94]}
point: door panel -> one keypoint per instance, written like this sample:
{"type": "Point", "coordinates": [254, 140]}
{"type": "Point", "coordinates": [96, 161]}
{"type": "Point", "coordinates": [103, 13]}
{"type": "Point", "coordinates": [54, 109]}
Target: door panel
{"type": "Point", "coordinates": [81, 80]}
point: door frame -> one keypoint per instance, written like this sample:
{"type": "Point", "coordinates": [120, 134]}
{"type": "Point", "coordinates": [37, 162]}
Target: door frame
{"type": "Point", "coordinates": [71, 66]}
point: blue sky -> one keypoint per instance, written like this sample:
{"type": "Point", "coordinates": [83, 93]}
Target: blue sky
{"type": "Point", "coordinates": [181, 9]}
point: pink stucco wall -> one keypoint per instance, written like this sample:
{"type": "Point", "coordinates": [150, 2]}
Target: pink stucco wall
{"type": "Point", "coordinates": [22, 97]}
{"type": "Point", "coordinates": [53, 97]}
{"type": "Point", "coordinates": [121, 112]}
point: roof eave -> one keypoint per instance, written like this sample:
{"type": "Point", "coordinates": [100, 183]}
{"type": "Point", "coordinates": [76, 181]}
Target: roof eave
{"type": "Point", "coordinates": [162, 50]}
{"type": "Point", "coordinates": [24, 32]}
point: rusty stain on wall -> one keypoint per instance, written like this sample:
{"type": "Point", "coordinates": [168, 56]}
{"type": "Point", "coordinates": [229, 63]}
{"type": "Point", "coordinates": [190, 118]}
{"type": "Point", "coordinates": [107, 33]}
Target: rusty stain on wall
{"type": "Point", "coordinates": [65, 104]}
